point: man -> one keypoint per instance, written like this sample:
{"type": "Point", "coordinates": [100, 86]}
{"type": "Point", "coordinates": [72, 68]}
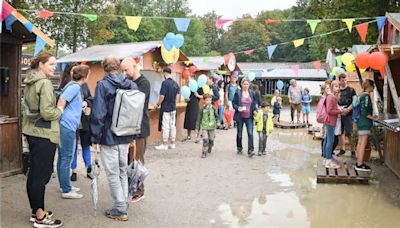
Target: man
{"type": "Point", "coordinates": [167, 103]}
{"type": "Point", "coordinates": [132, 70]}
{"type": "Point", "coordinates": [114, 149]}
{"type": "Point", "coordinates": [347, 94]}
{"type": "Point", "coordinates": [294, 95]}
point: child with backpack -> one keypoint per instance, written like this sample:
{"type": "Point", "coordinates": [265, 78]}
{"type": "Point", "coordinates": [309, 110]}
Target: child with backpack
{"type": "Point", "coordinates": [264, 127]}
{"type": "Point", "coordinates": [208, 123]}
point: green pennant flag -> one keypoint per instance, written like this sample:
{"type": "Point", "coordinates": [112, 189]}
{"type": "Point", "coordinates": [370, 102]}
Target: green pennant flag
{"type": "Point", "coordinates": [339, 61]}
{"type": "Point", "coordinates": [91, 17]}
{"type": "Point", "coordinates": [313, 24]}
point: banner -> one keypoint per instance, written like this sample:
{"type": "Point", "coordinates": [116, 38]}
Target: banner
{"type": "Point", "coordinates": [271, 50]}
{"type": "Point", "coordinates": [133, 22]}
{"type": "Point", "coordinates": [313, 24]}
{"type": "Point", "coordinates": [298, 43]}
{"type": "Point", "coordinates": [349, 23]}
{"type": "Point", "coordinates": [219, 23]}
{"type": "Point", "coordinates": [362, 30]}
{"type": "Point", "coordinates": [39, 45]}
{"type": "Point", "coordinates": [182, 24]}
{"type": "Point", "coordinates": [91, 17]}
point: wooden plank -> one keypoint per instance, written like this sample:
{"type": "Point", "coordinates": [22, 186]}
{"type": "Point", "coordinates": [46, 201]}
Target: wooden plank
{"type": "Point", "coordinates": [392, 87]}
{"type": "Point", "coordinates": [332, 172]}
{"type": "Point", "coordinates": [352, 172]}
{"type": "Point", "coordinates": [363, 174]}
{"type": "Point", "coordinates": [342, 171]}
{"type": "Point", "coordinates": [321, 170]}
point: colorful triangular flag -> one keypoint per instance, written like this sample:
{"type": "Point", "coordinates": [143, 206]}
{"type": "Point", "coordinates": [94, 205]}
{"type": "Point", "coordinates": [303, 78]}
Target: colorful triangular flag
{"type": "Point", "coordinates": [39, 45]}
{"type": "Point", "coordinates": [349, 23]}
{"type": "Point", "coordinates": [91, 17]}
{"type": "Point", "coordinates": [248, 52]}
{"type": "Point", "coordinates": [271, 50]}
{"type": "Point", "coordinates": [9, 22]}
{"type": "Point", "coordinates": [317, 65]}
{"type": "Point", "coordinates": [29, 26]}
{"type": "Point", "coordinates": [338, 60]}
{"type": "Point", "coordinates": [6, 10]}
{"type": "Point", "coordinates": [362, 30]}
{"type": "Point", "coordinates": [381, 21]}
{"type": "Point", "coordinates": [296, 69]}
{"type": "Point", "coordinates": [297, 43]}
{"type": "Point", "coordinates": [271, 21]}
{"type": "Point", "coordinates": [133, 22]}
{"type": "Point", "coordinates": [219, 23]}
{"type": "Point", "coordinates": [313, 24]}
{"type": "Point", "coordinates": [182, 24]}
{"type": "Point", "coordinates": [43, 13]}
{"type": "Point", "coordinates": [1, 13]}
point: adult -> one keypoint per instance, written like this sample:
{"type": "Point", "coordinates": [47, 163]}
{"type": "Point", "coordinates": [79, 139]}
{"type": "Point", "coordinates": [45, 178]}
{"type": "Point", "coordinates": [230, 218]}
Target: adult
{"type": "Point", "coordinates": [132, 71]}
{"type": "Point", "coordinates": [347, 94]}
{"type": "Point", "coordinates": [213, 84]}
{"type": "Point", "coordinates": [230, 93]}
{"type": "Point", "coordinates": [41, 128]}
{"type": "Point", "coordinates": [192, 113]}
{"type": "Point", "coordinates": [114, 149]}
{"type": "Point", "coordinates": [167, 103]}
{"type": "Point", "coordinates": [245, 107]}
{"type": "Point", "coordinates": [71, 102]}
{"type": "Point", "coordinates": [294, 94]}
{"type": "Point", "coordinates": [258, 95]}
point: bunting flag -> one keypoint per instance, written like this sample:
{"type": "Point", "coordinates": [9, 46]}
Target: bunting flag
{"type": "Point", "coordinates": [362, 30]}
{"type": "Point", "coordinates": [1, 16]}
{"type": "Point", "coordinates": [6, 10]}
{"type": "Point", "coordinates": [133, 22]}
{"type": "Point", "coordinates": [381, 21]}
{"type": "Point", "coordinates": [271, 50]}
{"type": "Point", "coordinates": [339, 61]}
{"type": "Point", "coordinates": [39, 45]}
{"type": "Point", "coordinates": [248, 52]}
{"type": "Point", "coordinates": [349, 23]}
{"type": "Point", "coordinates": [219, 23]}
{"type": "Point", "coordinates": [296, 69]}
{"type": "Point", "coordinates": [297, 43]}
{"type": "Point", "coordinates": [182, 24]}
{"type": "Point", "coordinates": [271, 21]}
{"type": "Point", "coordinates": [313, 24]}
{"type": "Point", "coordinates": [29, 26]}
{"type": "Point", "coordinates": [43, 14]}
{"type": "Point", "coordinates": [317, 65]}
{"type": "Point", "coordinates": [9, 22]}
{"type": "Point", "coordinates": [91, 17]}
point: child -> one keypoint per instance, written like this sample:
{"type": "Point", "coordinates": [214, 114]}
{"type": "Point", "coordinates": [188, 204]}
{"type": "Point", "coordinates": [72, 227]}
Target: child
{"type": "Point", "coordinates": [208, 123]}
{"type": "Point", "coordinates": [306, 100]}
{"type": "Point", "coordinates": [277, 109]}
{"type": "Point", "coordinates": [264, 127]}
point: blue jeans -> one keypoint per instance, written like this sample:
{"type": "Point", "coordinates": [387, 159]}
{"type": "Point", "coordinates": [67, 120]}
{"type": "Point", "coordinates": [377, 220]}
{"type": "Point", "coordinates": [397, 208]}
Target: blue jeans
{"type": "Point", "coordinates": [221, 113]}
{"type": "Point", "coordinates": [65, 152]}
{"type": "Point", "coordinates": [249, 127]}
{"type": "Point", "coordinates": [328, 142]}
{"type": "Point", "coordinates": [86, 154]}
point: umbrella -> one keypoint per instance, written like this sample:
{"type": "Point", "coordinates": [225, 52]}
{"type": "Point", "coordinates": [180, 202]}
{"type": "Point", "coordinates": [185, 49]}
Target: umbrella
{"type": "Point", "coordinates": [136, 174]}
{"type": "Point", "coordinates": [94, 173]}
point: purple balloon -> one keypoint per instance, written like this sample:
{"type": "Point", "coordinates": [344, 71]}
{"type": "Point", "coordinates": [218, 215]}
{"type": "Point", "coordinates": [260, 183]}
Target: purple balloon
{"type": "Point", "coordinates": [235, 73]}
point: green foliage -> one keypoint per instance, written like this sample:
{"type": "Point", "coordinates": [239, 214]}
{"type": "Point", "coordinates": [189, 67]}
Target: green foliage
{"type": "Point", "coordinates": [285, 99]}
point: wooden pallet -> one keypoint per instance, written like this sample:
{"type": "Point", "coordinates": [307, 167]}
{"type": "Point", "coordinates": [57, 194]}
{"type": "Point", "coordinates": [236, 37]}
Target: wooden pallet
{"type": "Point", "coordinates": [287, 125]}
{"type": "Point", "coordinates": [344, 175]}
{"type": "Point", "coordinates": [312, 130]}
{"type": "Point", "coordinates": [317, 136]}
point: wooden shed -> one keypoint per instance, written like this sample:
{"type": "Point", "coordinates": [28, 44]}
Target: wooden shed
{"type": "Point", "coordinates": [12, 37]}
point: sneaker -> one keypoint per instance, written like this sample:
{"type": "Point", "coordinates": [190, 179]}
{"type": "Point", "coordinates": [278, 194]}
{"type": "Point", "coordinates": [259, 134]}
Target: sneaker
{"type": "Point", "coordinates": [171, 146]}
{"type": "Point", "coordinates": [117, 215]}
{"type": "Point", "coordinates": [137, 198]}
{"type": "Point", "coordinates": [353, 154]}
{"type": "Point", "coordinates": [203, 155]}
{"type": "Point", "coordinates": [264, 153]}
{"type": "Point", "coordinates": [49, 214]}
{"type": "Point", "coordinates": [342, 152]}
{"type": "Point", "coordinates": [259, 153]}
{"type": "Point", "coordinates": [187, 139]}
{"type": "Point", "coordinates": [239, 151]}
{"type": "Point", "coordinates": [162, 147]}
{"type": "Point", "coordinates": [362, 167]}
{"type": "Point", "coordinates": [71, 195]}
{"type": "Point", "coordinates": [47, 222]}
{"type": "Point", "coordinates": [251, 154]}
{"type": "Point", "coordinates": [324, 161]}
{"type": "Point", "coordinates": [73, 188]}
{"type": "Point", "coordinates": [89, 172]}
{"type": "Point", "coordinates": [73, 177]}
{"type": "Point", "coordinates": [330, 164]}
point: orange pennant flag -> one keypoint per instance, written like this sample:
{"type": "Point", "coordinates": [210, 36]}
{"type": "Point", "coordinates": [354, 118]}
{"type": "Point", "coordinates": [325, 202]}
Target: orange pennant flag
{"type": "Point", "coordinates": [362, 30]}
{"type": "Point", "coordinates": [317, 65]}
{"type": "Point", "coordinates": [271, 21]}
{"type": "Point", "coordinates": [43, 13]}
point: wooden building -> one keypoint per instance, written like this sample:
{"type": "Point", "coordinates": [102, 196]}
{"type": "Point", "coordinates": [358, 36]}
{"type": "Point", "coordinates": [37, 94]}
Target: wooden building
{"type": "Point", "coordinates": [11, 39]}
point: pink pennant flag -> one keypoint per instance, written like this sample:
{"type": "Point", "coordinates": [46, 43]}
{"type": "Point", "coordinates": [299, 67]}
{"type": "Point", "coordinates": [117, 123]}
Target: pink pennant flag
{"type": "Point", "coordinates": [220, 22]}
{"type": "Point", "coordinates": [296, 69]}
{"type": "Point", "coordinates": [317, 65]}
{"type": "Point", "coordinates": [248, 52]}
{"type": "Point", "coordinates": [6, 10]}
{"type": "Point", "coordinates": [43, 14]}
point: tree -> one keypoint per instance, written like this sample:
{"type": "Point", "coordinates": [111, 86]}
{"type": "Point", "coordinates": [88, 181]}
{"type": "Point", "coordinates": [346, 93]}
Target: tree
{"type": "Point", "coordinates": [212, 34]}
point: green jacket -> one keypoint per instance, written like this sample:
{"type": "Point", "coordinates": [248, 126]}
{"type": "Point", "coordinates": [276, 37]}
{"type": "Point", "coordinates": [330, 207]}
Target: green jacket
{"type": "Point", "coordinates": [208, 118]}
{"type": "Point", "coordinates": [260, 123]}
{"type": "Point", "coordinates": [39, 98]}
{"type": "Point", "coordinates": [365, 103]}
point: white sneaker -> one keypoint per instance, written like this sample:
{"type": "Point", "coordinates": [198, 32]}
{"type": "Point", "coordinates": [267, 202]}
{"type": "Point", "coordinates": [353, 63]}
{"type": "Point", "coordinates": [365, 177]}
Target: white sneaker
{"type": "Point", "coordinates": [75, 189]}
{"type": "Point", "coordinates": [171, 146]}
{"type": "Point", "coordinates": [330, 164]}
{"type": "Point", "coordinates": [324, 161]}
{"type": "Point", "coordinates": [162, 147]}
{"type": "Point", "coordinates": [71, 195]}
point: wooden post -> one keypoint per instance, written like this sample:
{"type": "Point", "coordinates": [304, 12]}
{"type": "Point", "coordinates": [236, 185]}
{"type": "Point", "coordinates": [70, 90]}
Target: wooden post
{"type": "Point", "coordinates": [393, 90]}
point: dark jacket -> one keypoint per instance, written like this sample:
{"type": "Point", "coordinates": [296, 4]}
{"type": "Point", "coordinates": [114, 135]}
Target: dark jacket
{"type": "Point", "coordinates": [85, 120]}
{"type": "Point", "coordinates": [144, 87]}
{"type": "Point", "coordinates": [236, 103]}
{"type": "Point", "coordinates": [215, 91]}
{"type": "Point", "coordinates": [103, 106]}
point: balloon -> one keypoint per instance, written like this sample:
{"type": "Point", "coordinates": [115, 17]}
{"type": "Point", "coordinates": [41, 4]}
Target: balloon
{"type": "Point", "coordinates": [340, 71]}
{"type": "Point", "coordinates": [279, 85]}
{"type": "Point", "coordinates": [206, 89]}
{"type": "Point", "coordinates": [193, 85]}
{"type": "Point", "coordinates": [179, 40]}
{"type": "Point", "coordinates": [235, 73]}
{"type": "Point", "coordinates": [334, 70]}
{"type": "Point", "coordinates": [362, 60]}
{"type": "Point", "coordinates": [167, 45]}
{"type": "Point", "coordinates": [185, 92]}
{"type": "Point", "coordinates": [351, 68]}
{"type": "Point", "coordinates": [347, 58]}
{"type": "Point", "coordinates": [168, 41]}
{"type": "Point", "coordinates": [185, 74]}
{"type": "Point", "coordinates": [331, 75]}
{"type": "Point", "coordinates": [251, 76]}
{"type": "Point", "coordinates": [202, 80]}
{"type": "Point", "coordinates": [170, 56]}
{"type": "Point", "coordinates": [170, 36]}
{"type": "Point", "coordinates": [377, 60]}
{"type": "Point", "coordinates": [192, 69]}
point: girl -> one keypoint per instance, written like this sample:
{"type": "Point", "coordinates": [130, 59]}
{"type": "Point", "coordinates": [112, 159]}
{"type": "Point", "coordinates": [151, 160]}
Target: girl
{"type": "Point", "coordinates": [221, 123]}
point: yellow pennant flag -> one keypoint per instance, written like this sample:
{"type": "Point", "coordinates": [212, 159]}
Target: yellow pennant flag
{"type": "Point", "coordinates": [133, 22]}
{"type": "Point", "coordinates": [349, 23]}
{"type": "Point", "coordinates": [298, 43]}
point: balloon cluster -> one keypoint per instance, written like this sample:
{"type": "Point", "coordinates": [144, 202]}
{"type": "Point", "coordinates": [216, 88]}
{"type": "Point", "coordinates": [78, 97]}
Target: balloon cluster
{"type": "Point", "coordinates": [375, 60]}
{"type": "Point", "coordinates": [170, 47]}
{"type": "Point", "coordinates": [195, 85]}
{"type": "Point", "coordinates": [186, 73]}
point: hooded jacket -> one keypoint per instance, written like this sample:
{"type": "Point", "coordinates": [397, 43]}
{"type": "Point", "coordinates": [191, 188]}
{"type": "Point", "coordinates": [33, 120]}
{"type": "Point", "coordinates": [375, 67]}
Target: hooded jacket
{"type": "Point", "coordinates": [39, 97]}
{"type": "Point", "coordinates": [103, 106]}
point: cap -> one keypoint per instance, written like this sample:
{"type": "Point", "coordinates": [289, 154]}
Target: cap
{"type": "Point", "coordinates": [167, 70]}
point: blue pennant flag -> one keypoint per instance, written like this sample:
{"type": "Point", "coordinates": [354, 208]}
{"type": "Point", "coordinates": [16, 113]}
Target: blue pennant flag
{"type": "Point", "coordinates": [271, 50]}
{"type": "Point", "coordinates": [29, 26]}
{"type": "Point", "coordinates": [182, 24]}
{"type": "Point", "coordinates": [381, 21]}
{"type": "Point", "coordinates": [9, 22]}
{"type": "Point", "coordinates": [39, 45]}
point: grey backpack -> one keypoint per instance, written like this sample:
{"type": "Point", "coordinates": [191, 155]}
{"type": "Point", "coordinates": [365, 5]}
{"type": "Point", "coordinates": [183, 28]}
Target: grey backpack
{"type": "Point", "coordinates": [128, 112]}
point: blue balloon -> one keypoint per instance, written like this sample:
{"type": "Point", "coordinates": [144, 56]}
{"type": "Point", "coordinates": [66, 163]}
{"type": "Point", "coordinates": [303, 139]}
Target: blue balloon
{"type": "Point", "coordinates": [179, 40]}
{"type": "Point", "coordinates": [169, 41]}
{"type": "Point", "coordinates": [331, 75]}
{"type": "Point", "coordinates": [185, 92]}
{"type": "Point", "coordinates": [202, 80]}
{"type": "Point", "coordinates": [279, 85]}
{"type": "Point", "coordinates": [167, 44]}
{"type": "Point", "coordinates": [170, 36]}
{"type": "Point", "coordinates": [340, 70]}
{"type": "Point", "coordinates": [251, 76]}
{"type": "Point", "coordinates": [193, 85]}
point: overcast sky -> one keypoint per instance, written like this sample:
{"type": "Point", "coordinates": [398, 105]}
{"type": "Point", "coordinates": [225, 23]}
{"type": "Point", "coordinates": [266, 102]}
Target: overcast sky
{"type": "Point", "coordinates": [236, 8]}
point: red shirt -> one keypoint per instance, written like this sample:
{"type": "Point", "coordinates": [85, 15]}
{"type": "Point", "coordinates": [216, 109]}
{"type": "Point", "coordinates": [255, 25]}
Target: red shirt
{"type": "Point", "coordinates": [332, 110]}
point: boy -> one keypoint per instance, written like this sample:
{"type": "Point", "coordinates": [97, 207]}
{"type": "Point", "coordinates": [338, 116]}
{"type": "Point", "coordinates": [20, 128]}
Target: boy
{"type": "Point", "coordinates": [264, 127]}
{"type": "Point", "coordinates": [306, 100]}
{"type": "Point", "coordinates": [208, 122]}
{"type": "Point", "coordinates": [277, 108]}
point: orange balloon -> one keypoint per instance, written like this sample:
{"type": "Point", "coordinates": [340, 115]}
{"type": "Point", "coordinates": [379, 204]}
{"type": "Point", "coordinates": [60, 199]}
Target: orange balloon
{"type": "Point", "coordinates": [362, 60]}
{"type": "Point", "coordinates": [192, 69]}
{"type": "Point", "coordinates": [377, 60]}
{"type": "Point", "coordinates": [185, 74]}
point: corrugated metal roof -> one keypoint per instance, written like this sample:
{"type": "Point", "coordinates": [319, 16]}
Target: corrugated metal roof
{"type": "Point", "coordinates": [206, 62]}
{"type": "Point", "coordinates": [274, 65]}
{"type": "Point", "coordinates": [313, 74]}
{"type": "Point", "coordinates": [394, 18]}
{"type": "Point", "coordinates": [99, 52]}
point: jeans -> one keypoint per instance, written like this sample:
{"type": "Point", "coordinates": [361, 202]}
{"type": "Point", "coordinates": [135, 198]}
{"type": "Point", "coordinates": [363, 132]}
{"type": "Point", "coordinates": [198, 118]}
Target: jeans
{"type": "Point", "coordinates": [208, 140]}
{"type": "Point", "coordinates": [65, 153]}
{"type": "Point", "coordinates": [249, 126]}
{"type": "Point", "coordinates": [328, 142]}
{"type": "Point", "coordinates": [169, 126]}
{"type": "Point", "coordinates": [221, 114]}
{"type": "Point", "coordinates": [115, 163]}
{"type": "Point", "coordinates": [41, 158]}
{"type": "Point", "coordinates": [262, 141]}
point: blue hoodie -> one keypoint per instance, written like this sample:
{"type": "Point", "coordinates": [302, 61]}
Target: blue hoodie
{"type": "Point", "coordinates": [103, 106]}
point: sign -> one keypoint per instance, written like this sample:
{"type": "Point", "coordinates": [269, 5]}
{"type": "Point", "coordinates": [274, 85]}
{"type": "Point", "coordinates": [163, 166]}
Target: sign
{"type": "Point", "coordinates": [26, 62]}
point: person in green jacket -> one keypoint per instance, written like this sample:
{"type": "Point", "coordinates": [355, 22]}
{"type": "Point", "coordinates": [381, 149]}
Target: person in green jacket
{"type": "Point", "coordinates": [41, 128]}
{"type": "Point", "coordinates": [264, 127]}
{"type": "Point", "coordinates": [208, 123]}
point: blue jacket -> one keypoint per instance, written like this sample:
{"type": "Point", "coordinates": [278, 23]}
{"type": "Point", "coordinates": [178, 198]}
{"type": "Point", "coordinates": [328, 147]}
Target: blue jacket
{"type": "Point", "coordinates": [103, 106]}
{"type": "Point", "coordinates": [236, 103]}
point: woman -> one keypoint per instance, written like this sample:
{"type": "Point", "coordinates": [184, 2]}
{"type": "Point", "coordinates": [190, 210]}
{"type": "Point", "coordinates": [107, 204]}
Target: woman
{"type": "Point", "coordinates": [244, 103]}
{"type": "Point", "coordinates": [71, 101]}
{"type": "Point", "coordinates": [40, 126]}
{"type": "Point", "coordinates": [258, 95]}
{"type": "Point", "coordinates": [221, 122]}
{"type": "Point", "coordinates": [192, 113]}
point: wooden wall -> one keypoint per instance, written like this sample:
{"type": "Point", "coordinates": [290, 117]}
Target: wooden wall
{"type": "Point", "coordinates": [392, 153]}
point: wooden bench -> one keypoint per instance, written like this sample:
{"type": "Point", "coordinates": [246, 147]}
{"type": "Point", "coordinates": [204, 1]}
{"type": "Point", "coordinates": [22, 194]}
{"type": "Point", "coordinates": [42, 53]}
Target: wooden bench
{"type": "Point", "coordinates": [344, 175]}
